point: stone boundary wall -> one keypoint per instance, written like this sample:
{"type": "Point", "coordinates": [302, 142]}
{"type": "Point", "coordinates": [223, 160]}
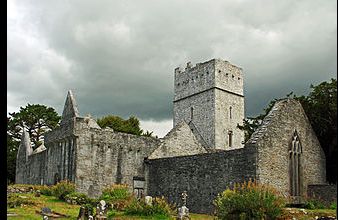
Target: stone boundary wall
{"type": "Point", "coordinates": [203, 176]}
{"type": "Point", "coordinates": [325, 192]}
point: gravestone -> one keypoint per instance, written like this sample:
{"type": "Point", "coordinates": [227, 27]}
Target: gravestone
{"type": "Point", "coordinates": [83, 213]}
{"type": "Point", "coordinates": [148, 200]}
{"type": "Point", "coordinates": [183, 212]}
{"type": "Point", "coordinates": [101, 211]}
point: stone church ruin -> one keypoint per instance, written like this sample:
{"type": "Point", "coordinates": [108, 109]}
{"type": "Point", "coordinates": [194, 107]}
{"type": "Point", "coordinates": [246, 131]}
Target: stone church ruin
{"type": "Point", "coordinates": [203, 154]}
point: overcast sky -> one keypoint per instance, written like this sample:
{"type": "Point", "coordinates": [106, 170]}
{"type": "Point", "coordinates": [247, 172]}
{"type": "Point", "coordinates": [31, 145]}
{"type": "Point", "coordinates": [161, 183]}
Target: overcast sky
{"type": "Point", "coordinates": [118, 57]}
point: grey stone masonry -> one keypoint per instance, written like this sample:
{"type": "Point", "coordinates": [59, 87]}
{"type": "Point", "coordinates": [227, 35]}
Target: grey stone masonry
{"type": "Point", "coordinates": [180, 141]}
{"type": "Point", "coordinates": [210, 95]}
{"type": "Point", "coordinates": [24, 151]}
{"type": "Point", "coordinates": [70, 110]}
{"type": "Point", "coordinates": [274, 140]}
{"type": "Point", "coordinates": [203, 176]}
{"type": "Point", "coordinates": [325, 192]}
{"type": "Point", "coordinates": [104, 157]}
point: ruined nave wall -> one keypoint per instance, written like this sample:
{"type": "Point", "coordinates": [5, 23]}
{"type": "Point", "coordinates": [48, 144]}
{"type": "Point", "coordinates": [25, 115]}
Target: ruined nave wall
{"type": "Point", "coordinates": [105, 157]}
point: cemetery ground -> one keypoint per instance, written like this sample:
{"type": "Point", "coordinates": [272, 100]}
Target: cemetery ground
{"type": "Point", "coordinates": [25, 203]}
{"type": "Point", "coordinates": [29, 211]}
{"type": "Point", "coordinates": [72, 211]}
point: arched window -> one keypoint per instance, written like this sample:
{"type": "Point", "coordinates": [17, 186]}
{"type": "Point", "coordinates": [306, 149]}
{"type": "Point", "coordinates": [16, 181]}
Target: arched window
{"type": "Point", "coordinates": [295, 153]}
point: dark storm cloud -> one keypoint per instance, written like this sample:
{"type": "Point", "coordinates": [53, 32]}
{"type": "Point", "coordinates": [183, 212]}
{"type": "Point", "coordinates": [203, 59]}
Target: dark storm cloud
{"type": "Point", "coordinates": [118, 56]}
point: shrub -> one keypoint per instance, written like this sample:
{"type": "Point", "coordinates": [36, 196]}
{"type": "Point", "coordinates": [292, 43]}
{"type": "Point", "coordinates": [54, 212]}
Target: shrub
{"type": "Point", "coordinates": [111, 214]}
{"type": "Point", "coordinates": [314, 204]}
{"type": "Point", "coordinates": [333, 205]}
{"type": "Point", "coordinates": [14, 200]}
{"type": "Point", "coordinates": [77, 198]}
{"type": "Point", "coordinates": [61, 189]}
{"type": "Point", "coordinates": [160, 207]}
{"type": "Point", "coordinates": [45, 190]}
{"type": "Point", "coordinates": [117, 195]}
{"type": "Point", "coordinates": [249, 200]}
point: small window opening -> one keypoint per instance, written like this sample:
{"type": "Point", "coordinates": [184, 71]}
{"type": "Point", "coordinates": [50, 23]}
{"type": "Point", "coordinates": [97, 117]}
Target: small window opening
{"type": "Point", "coordinates": [230, 138]}
{"type": "Point", "coordinates": [191, 113]}
{"type": "Point", "coordinates": [230, 112]}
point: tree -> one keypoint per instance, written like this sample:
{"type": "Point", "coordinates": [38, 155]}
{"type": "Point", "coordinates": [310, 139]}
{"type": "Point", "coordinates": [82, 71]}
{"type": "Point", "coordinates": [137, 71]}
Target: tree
{"type": "Point", "coordinates": [36, 120]}
{"type": "Point", "coordinates": [250, 124]}
{"type": "Point", "coordinates": [130, 126]}
{"type": "Point", "coordinates": [320, 107]}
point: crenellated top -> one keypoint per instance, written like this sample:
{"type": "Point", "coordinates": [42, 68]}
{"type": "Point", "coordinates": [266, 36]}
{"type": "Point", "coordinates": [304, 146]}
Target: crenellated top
{"type": "Point", "coordinates": [215, 73]}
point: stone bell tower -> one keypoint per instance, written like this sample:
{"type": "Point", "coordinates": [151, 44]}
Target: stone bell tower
{"type": "Point", "coordinates": [209, 97]}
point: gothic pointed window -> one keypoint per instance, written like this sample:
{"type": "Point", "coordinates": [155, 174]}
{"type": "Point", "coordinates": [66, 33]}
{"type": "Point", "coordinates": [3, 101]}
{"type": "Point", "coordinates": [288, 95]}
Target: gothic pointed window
{"type": "Point", "coordinates": [295, 154]}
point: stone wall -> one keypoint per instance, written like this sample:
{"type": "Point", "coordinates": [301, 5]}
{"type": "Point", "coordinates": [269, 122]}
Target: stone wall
{"type": "Point", "coordinates": [203, 114]}
{"type": "Point", "coordinates": [273, 140]}
{"type": "Point", "coordinates": [180, 141]}
{"type": "Point", "coordinates": [60, 160]}
{"type": "Point", "coordinates": [203, 176]}
{"type": "Point", "coordinates": [36, 168]}
{"type": "Point", "coordinates": [105, 157]}
{"type": "Point", "coordinates": [226, 124]}
{"type": "Point", "coordinates": [325, 192]}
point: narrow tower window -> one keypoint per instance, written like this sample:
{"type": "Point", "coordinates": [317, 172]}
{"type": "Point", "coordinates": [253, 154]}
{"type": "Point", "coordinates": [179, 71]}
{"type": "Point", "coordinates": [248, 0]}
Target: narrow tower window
{"type": "Point", "coordinates": [230, 113]}
{"type": "Point", "coordinates": [230, 138]}
{"type": "Point", "coordinates": [191, 113]}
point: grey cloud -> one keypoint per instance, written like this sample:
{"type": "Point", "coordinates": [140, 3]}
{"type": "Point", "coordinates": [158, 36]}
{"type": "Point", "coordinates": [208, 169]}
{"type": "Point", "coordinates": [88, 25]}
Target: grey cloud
{"type": "Point", "coordinates": [119, 56]}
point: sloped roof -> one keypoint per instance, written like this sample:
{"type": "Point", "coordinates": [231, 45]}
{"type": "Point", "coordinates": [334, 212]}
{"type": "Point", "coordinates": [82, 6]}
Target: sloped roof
{"type": "Point", "coordinates": [180, 141]}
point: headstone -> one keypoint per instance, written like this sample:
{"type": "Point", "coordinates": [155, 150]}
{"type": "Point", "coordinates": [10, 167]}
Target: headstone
{"type": "Point", "coordinates": [46, 210]}
{"type": "Point", "coordinates": [148, 200]}
{"type": "Point", "coordinates": [101, 211]}
{"type": "Point", "coordinates": [37, 193]}
{"type": "Point", "coordinates": [83, 213]}
{"type": "Point", "coordinates": [183, 212]}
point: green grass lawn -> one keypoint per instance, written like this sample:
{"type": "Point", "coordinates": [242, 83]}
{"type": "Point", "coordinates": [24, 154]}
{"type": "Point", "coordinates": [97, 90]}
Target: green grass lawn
{"type": "Point", "coordinates": [29, 211]}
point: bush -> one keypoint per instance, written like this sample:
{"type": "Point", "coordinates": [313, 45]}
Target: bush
{"type": "Point", "coordinates": [78, 198]}
{"type": "Point", "coordinates": [117, 195]}
{"type": "Point", "coordinates": [333, 205]}
{"type": "Point", "coordinates": [45, 190]}
{"type": "Point", "coordinates": [160, 207]}
{"type": "Point", "coordinates": [314, 204]}
{"type": "Point", "coordinates": [14, 200]}
{"type": "Point", "coordinates": [111, 214]}
{"type": "Point", "coordinates": [249, 200]}
{"type": "Point", "coordinates": [63, 188]}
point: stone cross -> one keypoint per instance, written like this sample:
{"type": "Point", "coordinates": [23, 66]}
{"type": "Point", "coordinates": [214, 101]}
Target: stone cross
{"type": "Point", "coordinates": [184, 198]}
